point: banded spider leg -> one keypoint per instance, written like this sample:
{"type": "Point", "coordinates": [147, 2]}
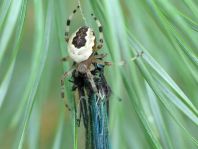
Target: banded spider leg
{"type": "Point", "coordinates": [68, 24]}
{"type": "Point", "coordinates": [65, 75]}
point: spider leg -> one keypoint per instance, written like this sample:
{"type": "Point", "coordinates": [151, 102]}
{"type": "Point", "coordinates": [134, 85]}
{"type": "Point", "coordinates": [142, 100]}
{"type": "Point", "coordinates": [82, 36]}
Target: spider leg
{"type": "Point", "coordinates": [66, 58]}
{"type": "Point", "coordinates": [100, 56]}
{"type": "Point", "coordinates": [91, 80]}
{"type": "Point", "coordinates": [80, 109]}
{"type": "Point", "coordinates": [105, 63]}
{"type": "Point", "coordinates": [137, 56]}
{"type": "Point", "coordinates": [66, 74]}
{"type": "Point", "coordinates": [121, 63]}
{"type": "Point", "coordinates": [98, 59]}
{"type": "Point", "coordinates": [100, 28]}
{"type": "Point", "coordinates": [78, 115]}
{"type": "Point", "coordinates": [131, 59]}
{"type": "Point", "coordinates": [68, 24]}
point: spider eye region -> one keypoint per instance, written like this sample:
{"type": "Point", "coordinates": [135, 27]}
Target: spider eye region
{"type": "Point", "coordinates": [81, 44]}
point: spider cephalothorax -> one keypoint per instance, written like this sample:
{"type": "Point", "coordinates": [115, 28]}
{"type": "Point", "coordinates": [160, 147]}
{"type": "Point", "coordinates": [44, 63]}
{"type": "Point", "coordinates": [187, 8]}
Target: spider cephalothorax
{"type": "Point", "coordinates": [81, 44]}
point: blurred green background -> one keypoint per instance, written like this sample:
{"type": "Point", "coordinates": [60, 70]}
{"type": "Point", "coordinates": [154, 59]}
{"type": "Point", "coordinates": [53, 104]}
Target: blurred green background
{"type": "Point", "coordinates": [159, 90]}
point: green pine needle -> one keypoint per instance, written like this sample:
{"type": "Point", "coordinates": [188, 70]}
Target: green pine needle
{"type": "Point", "coordinates": [158, 90]}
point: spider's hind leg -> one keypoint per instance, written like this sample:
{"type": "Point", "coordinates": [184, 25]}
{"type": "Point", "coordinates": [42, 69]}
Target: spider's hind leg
{"type": "Point", "coordinates": [100, 28]}
{"type": "Point", "coordinates": [68, 24]}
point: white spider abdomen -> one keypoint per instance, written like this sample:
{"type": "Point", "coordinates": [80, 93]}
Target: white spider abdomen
{"type": "Point", "coordinates": [81, 44]}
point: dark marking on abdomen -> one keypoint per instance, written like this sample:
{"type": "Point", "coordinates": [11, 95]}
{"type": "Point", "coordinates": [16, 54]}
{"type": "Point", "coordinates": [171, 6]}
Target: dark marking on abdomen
{"type": "Point", "coordinates": [79, 40]}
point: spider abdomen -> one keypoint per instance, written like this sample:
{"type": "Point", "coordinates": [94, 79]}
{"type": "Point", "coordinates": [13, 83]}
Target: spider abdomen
{"type": "Point", "coordinates": [81, 44]}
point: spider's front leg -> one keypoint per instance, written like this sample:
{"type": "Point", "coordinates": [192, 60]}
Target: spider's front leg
{"type": "Point", "coordinates": [99, 56]}
{"type": "Point", "coordinates": [98, 59]}
{"type": "Point", "coordinates": [65, 75]}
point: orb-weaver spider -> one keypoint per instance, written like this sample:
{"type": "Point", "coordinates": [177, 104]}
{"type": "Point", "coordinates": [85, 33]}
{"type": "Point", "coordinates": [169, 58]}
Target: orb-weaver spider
{"type": "Point", "coordinates": [82, 49]}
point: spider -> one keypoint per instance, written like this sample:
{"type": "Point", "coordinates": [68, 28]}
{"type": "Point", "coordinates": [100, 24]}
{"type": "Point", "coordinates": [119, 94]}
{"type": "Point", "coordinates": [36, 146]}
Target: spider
{"type": "Point", "coordinates": [82, 49]}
